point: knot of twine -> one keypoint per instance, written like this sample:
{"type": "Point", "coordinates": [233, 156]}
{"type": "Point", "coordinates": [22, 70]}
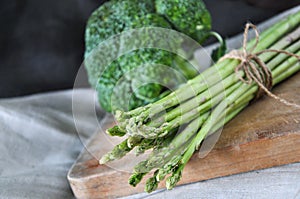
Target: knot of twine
{"type": "Point", "coordinates": [254, 68]}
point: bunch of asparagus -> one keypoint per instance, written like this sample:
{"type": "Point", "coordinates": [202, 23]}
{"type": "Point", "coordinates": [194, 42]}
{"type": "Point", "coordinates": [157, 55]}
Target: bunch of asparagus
{"type": "Point", "coordinates": [174, 127]}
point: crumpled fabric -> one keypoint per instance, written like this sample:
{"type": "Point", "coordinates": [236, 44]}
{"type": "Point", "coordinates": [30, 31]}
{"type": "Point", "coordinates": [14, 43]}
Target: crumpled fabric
{"type": "Point", "coordinates": [39, 143]}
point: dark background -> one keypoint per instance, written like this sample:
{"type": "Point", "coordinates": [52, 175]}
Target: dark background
{"type": "Point", "coordinates": [42, 41]}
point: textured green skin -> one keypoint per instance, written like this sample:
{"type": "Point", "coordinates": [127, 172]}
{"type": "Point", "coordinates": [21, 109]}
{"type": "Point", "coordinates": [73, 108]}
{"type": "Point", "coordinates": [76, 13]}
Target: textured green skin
{"type": "Point", "coordinates": [114, 17]}
{"type": "Point", "coordinates": [116, 88]}
{"type": "Point", "coordinates": [110, 19]}
{"type": "Point", "coordinates": [187, 16]}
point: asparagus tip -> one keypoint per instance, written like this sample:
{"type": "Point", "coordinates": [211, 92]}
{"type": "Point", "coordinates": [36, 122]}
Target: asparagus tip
{"type": "Point", "coordinates": [115, 131]}
{"type": "Point", "coordinates": [162, 173]}
{"type": "Point", "coordinates": [135, 178]}
{"type": "Point", "coordinates": [172, 180]}
{"type": "Point", "coordinates": [118, 114]}
{"type": "Point", "coordinates": [102, 161]}
{"type": "Point", "coordinates": [151, 185]}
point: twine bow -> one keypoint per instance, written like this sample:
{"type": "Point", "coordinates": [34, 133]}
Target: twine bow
{"type": "Point", "coordinates": [254, 68]}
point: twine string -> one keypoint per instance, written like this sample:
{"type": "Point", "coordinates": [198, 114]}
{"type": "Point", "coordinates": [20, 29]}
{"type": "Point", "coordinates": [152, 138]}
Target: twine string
{"type": "Point", "coordinates": [254, 68]}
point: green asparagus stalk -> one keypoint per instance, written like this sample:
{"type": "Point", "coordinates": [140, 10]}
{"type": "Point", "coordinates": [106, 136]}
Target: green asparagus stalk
{"type": "Point", "coordinates": [204, 104]}
{"type": "Point", "coordinates": [205, 129]}
{"type": "Point", "coordinates": [188, 116]}
{"type": "Point", "coordinates": [118, 152]}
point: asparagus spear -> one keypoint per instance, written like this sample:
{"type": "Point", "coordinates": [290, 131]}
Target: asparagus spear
{"type": "Point", "coordinates": [194, 101]}
{"type": "Point", "coordinates": [283, 42]}
{"type": "Point", "coordinates": [205, 129]}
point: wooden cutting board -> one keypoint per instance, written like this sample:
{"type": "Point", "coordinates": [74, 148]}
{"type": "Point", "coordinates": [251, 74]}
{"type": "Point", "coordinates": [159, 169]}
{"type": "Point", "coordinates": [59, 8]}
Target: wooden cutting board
{"type": "Point", "coordinates": [265, 134]}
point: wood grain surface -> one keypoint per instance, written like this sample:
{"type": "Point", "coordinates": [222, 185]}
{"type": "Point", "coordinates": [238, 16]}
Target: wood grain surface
{"type": "Point", "coordinates": [265, 134]}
